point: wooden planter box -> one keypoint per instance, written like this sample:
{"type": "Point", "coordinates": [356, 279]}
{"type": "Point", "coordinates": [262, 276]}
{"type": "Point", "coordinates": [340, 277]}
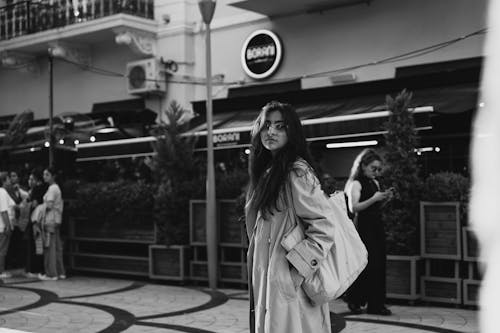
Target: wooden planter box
{"type": "Point", "coordinates": [168, 262]}
{"type": "Point", "coordinates": [231, 230]}
{"type": "Point", "coordinates": [197, 224]}
{"type": "Point", "coordinates": [471, 246]}
{"type": "Point", "coordinates": [440, 289]}
{"type": "Point", "coordinates": [198, 270]}
{"type": "Point", "coordinates": [109, 264]}
{"type": "Point", "coordinates": [471, 284]}
{"type": "Point", "coordinates": [109, 255]}
{"type": "Point", "coordinates": [233, 272]}
{"type": "Point", "coordinates": [402, 273]}
{"type": "Point", "coordinates": [471, 291]}
{"type": "Point", "coordinates": [440, 231]}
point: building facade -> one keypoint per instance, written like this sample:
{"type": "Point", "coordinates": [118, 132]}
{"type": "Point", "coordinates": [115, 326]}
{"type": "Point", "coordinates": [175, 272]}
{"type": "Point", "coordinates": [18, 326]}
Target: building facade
{"type": "Point", "coordinates": [336, 51]}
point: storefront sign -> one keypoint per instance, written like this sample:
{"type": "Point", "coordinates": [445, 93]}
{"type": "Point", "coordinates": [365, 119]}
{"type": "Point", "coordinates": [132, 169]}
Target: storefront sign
{"type": "Point", "coordinates": [226, 138]}
{"type": "Point", "coordinates": [261, 54]}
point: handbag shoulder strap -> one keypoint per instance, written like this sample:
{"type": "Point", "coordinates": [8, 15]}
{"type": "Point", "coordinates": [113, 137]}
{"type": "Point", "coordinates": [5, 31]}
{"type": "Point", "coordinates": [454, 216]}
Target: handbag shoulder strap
{"type": "Point", "coordinates": [292, 213]}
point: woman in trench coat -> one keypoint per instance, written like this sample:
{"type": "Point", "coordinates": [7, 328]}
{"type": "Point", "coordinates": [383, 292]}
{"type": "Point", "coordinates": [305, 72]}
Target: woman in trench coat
{"type": "Point", "coordinates": [280, 163]}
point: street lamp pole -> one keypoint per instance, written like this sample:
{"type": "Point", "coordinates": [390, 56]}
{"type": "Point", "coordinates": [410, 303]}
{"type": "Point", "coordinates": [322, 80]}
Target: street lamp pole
{"type": "Point", "coordinates": [207, 9]}
{"type": "Point", "coordinates": [51, 109]}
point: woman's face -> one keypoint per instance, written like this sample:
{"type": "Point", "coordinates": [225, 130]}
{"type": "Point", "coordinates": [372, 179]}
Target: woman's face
{"type": "Point", "coordinates": [31, 181]}
{"type": "Point", "coordinates": [47, 176]}
{"type": "Point", "coordinates": [373, 169]}
{"type": "Point", "coordinates": [273, 134]}
{"type": "Point", "coordinates": [14, 179]}
{"type": "Point", "coordinates": [7, 182]}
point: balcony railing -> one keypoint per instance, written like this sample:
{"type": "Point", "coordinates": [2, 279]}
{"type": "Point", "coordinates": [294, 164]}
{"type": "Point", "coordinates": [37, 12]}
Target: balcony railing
{"type": "Point", "coordinates": [29, 17]}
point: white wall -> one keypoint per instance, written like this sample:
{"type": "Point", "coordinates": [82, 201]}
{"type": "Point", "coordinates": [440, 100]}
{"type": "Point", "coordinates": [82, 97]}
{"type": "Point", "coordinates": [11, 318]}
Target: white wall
{"type": "Point", "coordinates": [352, 36]}
{"type": "Point", "coordinates": [74, 88]}
{"type": "Point", "coordinates": [312, 42]}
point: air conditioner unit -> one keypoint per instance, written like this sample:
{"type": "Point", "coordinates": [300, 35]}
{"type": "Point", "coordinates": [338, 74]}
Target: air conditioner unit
{"type": "Point", "coordinates": [146, 77]}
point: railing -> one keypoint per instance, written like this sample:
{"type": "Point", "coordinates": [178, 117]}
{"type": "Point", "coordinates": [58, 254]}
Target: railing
{"type": "Point", "coordinates": [29, 17]}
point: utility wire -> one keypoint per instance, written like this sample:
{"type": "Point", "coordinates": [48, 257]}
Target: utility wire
{"type": "Point", "coordinates": [400, 57]}
{"type": "Point", "coordinates": [404, 56]}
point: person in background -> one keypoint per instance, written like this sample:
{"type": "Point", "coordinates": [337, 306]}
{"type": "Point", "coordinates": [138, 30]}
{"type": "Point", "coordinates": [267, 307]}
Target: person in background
{"type": "Point", "coordinates": [34, 262]}
{"type": "Point", "coordinates": [7, 215]}
{"type": "Point", "coordinates": [365, 200]}
{"type": "Point", "coordinates": [328, 184]}
{"type": "Point", "coordinates": [15, 191]}
{"type": "Point", "coordinates": [282, 178]}
{"type": "Point", "coordinates": [17, 244]}
{"type": "Point", "coordinates": [53, 247]}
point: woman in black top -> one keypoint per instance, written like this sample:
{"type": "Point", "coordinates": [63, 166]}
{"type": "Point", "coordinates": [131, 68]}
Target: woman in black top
{"type": "Point", "coordinates": [366, 199]}
{"type": "Point", "coordinates": [38, 188]}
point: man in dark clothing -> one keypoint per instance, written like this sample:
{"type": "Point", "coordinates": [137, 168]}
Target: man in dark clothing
{"type": "Point", "coordinates": [17, 246]}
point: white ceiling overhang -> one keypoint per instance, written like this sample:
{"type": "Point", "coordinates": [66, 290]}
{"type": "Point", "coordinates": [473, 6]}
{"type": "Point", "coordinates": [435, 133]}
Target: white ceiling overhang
{"type": "Point", "coordinates": [277, 8]}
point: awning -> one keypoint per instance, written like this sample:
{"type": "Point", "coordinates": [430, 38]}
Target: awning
{"type": "Point", "coordinates": [226, 136]}
{"type": "Point", "coordinates": [103, 125]}
{"type": "Point", "coordinates": [446, 100]}
{"type": "Point", "coordinates": [327, 119]}
{"type": "Point", "coordinates": [114, 149]}
{"type": "Point", "coordinates": [345, 126]}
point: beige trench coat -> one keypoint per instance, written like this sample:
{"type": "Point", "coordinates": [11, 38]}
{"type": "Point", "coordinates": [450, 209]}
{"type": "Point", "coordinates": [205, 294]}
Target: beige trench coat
{"type": "Point", "coordinates": [276, 305]}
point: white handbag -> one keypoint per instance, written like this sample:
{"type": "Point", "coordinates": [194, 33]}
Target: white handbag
{"type": "Point", "coordinates": [343, 264]}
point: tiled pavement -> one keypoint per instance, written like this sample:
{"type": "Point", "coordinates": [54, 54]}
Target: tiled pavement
{"type": "Point", "coordinates": [90, 304]}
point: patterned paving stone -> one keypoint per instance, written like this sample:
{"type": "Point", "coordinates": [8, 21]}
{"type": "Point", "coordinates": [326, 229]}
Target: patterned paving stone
{"type": "Point", "coordinates": [152, 300]}
{"type": "Point", "coordinates": [57, 317]}
{"type": "Point", "coordinates": [10, 298]}
{"type": "Point", "coordinates": [78, 286]}
{"type": "Point", "coordinates": [229, 317]}
{"type": "Point", "coordinates": [87, 305]}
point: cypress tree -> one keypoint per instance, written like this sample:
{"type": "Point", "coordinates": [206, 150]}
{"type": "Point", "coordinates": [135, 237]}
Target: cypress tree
{"type": "Point", "coordinates": [400, 214]}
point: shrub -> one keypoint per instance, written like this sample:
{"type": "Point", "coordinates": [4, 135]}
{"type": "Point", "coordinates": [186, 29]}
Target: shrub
{"type": "Point", "coordinates": [231, 184]}
{"type": "Point", "coordinates": [113, 208]}
{"type": "Point", "coordinates": [179, 175]}
{"type": "Point", "coordinates": [448, 186]}
{"type": "Point", "coordinates": [171, 209]}
{"type": "Point", "coordinates": [400, 215]}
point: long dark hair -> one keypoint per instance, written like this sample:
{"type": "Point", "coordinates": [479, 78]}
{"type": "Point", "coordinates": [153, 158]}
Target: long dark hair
{"type": "Point", "coordinates": [363, 159]}
{"type": "Point", "coordinates": [53, 173]}
{"type": "Point", "coordinates": [265, 186]}
{"type": "Point", "coordinates": [3, 177]}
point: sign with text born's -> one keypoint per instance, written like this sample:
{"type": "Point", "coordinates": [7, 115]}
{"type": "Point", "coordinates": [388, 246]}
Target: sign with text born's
{"type": "Point", "coordinates": [440, 231]}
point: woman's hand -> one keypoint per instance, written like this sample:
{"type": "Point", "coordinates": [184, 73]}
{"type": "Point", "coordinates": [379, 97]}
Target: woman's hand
{"type": "Point", "coordinates": [8, 229]}
{"type": "Point", "coordinates": [380, 196]}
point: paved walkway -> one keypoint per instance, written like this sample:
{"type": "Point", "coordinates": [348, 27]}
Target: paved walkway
{"type": "Point", "coordinates": [89, 304]}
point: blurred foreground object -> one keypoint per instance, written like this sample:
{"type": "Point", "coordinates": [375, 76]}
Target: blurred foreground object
{"type": "Point", "coordinates": [485, 210]}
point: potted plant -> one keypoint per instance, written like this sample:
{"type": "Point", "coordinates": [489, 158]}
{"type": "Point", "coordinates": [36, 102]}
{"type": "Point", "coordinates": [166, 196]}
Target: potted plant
{"type": "Point", "coordinates": [178, 174]}
{"type": "Point", "coordinates": [444, 235]}
{"type": "Point", "coordinates": [400, 215]}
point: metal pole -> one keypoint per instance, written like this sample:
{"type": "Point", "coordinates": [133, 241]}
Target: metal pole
{"type": "Point", "coordinates": [51, 110]}
{"type": "Point", "coordinates": [211, 225]}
